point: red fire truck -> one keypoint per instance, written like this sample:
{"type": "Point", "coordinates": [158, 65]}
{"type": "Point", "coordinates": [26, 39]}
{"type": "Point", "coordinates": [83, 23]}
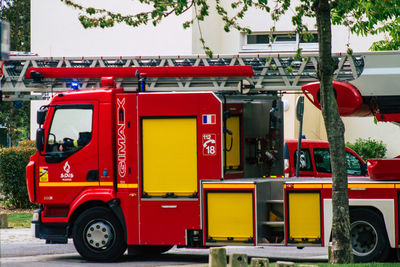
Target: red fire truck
{"type": "Point", "coordinates": [118, 169]}
{"type": "Point", "coordinates": [144, 171]}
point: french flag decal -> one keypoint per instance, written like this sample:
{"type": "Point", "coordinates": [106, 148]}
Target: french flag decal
{"type": "Point", "coordinates": [209, 119]}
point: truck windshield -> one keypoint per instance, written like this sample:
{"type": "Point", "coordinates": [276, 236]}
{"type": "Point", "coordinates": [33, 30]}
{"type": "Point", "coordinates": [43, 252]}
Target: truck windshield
{"type": "Point", "coordinates": [322, 159]}
{"type": "Point", "coordinates": [71, 128]}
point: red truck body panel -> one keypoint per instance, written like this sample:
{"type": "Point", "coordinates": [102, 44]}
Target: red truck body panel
{"type": "Point", "coordinates": [349, 99]}
{"type": "Point", "coordinates": [165, 71]}
{"type": "Point", "coordinates": [384, 169]}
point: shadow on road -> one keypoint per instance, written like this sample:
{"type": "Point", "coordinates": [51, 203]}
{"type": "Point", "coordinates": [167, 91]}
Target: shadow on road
{"type": "Point", "coordinates": [128, 260]}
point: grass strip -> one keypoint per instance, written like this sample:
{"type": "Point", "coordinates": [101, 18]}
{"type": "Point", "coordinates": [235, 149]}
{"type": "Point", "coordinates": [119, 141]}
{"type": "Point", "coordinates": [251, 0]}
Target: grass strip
{"type": "Point", "coordinates": [19, 220]}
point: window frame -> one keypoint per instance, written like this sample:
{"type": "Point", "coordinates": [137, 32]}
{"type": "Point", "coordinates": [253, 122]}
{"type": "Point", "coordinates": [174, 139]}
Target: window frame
{"type": "Point", "coordinates": [58, 156]}
{"type": "Point", "coordinates": [276, 45]}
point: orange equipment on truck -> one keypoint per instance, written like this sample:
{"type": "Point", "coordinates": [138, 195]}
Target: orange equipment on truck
{"type": "Point", "coordinates": [118, 168]}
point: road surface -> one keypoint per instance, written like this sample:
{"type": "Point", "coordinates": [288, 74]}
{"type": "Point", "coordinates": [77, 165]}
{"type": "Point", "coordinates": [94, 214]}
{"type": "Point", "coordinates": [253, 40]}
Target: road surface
{"type": "Point", "coordinates": [19, 248]}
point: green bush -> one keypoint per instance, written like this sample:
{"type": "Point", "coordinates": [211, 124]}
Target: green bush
{"type": "Point", "coordinates": [368, 148]}
{"type": "Point", "coordinates": [30, 143]}
{"type": "Point", "coordinates": [13, 162]}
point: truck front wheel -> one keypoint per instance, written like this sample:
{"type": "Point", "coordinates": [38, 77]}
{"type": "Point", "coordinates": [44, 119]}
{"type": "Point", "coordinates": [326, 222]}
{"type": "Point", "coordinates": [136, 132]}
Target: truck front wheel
{"type": "Point", "coordinates": [368, 236]}
{"type": "Point", "coordinates": [98, 235]}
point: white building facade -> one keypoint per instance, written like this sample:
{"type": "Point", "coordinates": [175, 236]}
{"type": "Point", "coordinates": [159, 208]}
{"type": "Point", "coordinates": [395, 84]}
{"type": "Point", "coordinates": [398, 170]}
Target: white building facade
{"type": "Point", "coordinates": [56, 31]}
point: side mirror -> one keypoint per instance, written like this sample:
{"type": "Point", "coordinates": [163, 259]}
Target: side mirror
{"type": "Point", "coordinates": [41, 116]}
{"type": "Point", "coordinates": [364, 169]}
{"type": "Point", "coordinates": [40, 139]}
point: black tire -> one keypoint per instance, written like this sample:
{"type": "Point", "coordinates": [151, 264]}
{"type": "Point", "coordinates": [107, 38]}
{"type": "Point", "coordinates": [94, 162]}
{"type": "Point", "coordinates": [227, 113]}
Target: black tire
{"type": "Point", "coordinates": [147, 250]}
{"type": "Point", "coordinates": [368, 236]}
{"type": "Point", "coordinates": [98, 235]}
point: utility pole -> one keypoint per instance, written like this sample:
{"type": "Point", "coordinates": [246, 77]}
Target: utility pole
{"type": "Point", "coordinates": [4, 40]}
{"type": "Point", "coordinates": [4, 48]}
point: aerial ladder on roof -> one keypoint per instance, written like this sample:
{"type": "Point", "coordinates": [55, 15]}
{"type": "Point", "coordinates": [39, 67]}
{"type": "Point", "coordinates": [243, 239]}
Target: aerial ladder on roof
{"type": "Point", "coordinates": [272, 72]}
{"type": "Point", "coordinates": [34, 77]}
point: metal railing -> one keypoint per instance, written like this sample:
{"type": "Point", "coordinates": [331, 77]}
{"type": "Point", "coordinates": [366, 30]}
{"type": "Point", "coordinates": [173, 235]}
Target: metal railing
{"type": "Point", "coordinates": [273, 72]}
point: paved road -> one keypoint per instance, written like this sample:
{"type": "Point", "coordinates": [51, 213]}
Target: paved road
{"type": "Point", "coordinates": [18, 248]}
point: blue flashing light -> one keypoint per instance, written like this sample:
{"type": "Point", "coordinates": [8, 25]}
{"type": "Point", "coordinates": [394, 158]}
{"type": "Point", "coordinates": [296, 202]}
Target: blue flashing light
{"type": "Point", "coordinates": [75, 85]}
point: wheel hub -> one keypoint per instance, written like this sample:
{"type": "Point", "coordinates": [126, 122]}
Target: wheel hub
{"type": "Point", "coordinates": [364, 238]}
{"type": "Point", "coordinates": [99, 235]}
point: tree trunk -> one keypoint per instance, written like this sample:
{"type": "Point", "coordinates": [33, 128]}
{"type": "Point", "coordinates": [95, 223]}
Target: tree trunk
{"type": "Point", "coordinates": [341, 251]}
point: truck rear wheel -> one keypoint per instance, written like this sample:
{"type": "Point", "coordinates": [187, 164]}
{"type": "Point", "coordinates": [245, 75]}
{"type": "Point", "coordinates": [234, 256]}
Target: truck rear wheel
{"type": "Point", "coordinates": [98, 235]}
{"type": "Point", "coordinates": [368, 236]}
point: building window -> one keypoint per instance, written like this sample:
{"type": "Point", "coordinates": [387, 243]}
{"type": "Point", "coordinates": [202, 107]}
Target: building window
{"type": "Point", "coordinates": [278, 42]}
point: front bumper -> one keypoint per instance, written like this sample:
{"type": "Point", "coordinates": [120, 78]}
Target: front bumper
{"type": "Point", "coordinates": [53, 233]}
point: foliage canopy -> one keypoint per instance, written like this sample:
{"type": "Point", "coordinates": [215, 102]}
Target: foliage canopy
{"type": "Point", "coordinates": [368, 148]}
{"type": "Point", "coordinates": [17, 13]}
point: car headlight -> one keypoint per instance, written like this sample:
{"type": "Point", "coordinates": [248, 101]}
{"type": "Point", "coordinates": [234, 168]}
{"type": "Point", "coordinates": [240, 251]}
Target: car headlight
{"type": "Point", "coordinates": [35, 217]}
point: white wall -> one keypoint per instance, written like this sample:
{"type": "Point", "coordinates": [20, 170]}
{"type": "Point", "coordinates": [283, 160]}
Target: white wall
{"type": "Point", "coordinates": [365, 128]}
{"type": "Point", "coordinates": [35, 105]}
{"type": "Point", "coordinates": [56, 31]}
{"type": "Point", "coordinates": [258, 21]}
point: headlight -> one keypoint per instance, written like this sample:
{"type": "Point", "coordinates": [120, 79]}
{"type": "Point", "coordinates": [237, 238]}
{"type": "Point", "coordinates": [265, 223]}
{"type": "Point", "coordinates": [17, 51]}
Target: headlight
{"type": "Point", "coordinates": [35, 217]}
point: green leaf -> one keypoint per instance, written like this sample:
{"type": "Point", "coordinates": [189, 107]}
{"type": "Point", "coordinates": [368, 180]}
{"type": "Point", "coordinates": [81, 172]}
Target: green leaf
{"type": "Point", "coordinates": [349, 51]}
{"type": "Point", "coordinates": [90, 11]}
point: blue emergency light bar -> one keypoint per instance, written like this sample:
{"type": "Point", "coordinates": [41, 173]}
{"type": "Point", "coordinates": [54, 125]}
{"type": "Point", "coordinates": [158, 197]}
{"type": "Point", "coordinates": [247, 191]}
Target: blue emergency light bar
{"type": "Point", "coordinates": [75, 85]}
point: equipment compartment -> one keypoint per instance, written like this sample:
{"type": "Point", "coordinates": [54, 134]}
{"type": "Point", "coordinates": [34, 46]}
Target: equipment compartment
{"type": "Point", "coordinates": [229, 213]}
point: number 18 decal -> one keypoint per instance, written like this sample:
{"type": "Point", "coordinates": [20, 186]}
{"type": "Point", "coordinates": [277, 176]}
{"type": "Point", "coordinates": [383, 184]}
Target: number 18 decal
{"type": "Point", "coordinates": [209, 145]}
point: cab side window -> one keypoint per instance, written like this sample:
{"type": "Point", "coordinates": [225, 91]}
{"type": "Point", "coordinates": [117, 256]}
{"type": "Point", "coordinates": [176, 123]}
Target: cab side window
{"type": "Point", "coordinates": [71, 129]}
{"type": "Point", "coordinates": [353, 164]}
{"type": "Point", "coordinates": [322, 159]}
{"type": "Point", "coordinates": [305, 160]}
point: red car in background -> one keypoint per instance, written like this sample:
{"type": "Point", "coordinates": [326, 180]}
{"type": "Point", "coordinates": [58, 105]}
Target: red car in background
{"type": "Point", "coordinates": [315, 160]}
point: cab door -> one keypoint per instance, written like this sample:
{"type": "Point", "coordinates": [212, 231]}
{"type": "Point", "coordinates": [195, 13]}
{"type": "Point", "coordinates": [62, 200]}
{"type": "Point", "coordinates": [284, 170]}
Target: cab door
{"type": "Point", "coordinates": [69, 162]}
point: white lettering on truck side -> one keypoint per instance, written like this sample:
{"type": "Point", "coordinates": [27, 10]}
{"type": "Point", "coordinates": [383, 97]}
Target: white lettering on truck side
{"type": "Point", "coordinates": [121, 140]}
